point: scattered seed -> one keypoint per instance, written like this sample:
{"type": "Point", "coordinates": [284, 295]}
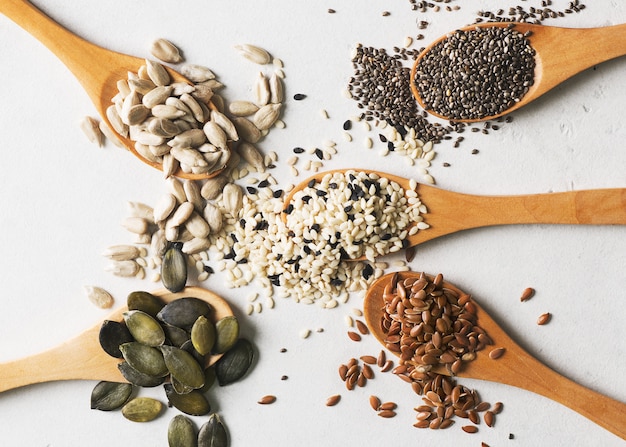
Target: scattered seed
{"type": "Point", "coordinates": [354, 336]}
{"type": "Point", "coordinates": [544, 318]}
{"type": "Point", "coordinates": [527, 294]}
{"type": "Point", "coordinates": [333, 400]}
{"type": "Point", "coordinates": [268, 399]}
{"type": "Point", "coordinates": [496, 353]}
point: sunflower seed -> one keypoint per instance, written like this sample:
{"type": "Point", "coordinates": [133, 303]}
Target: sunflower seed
{"type": "Point", "coordinates": [181, 432]}
{"type": "Point", "coordinates": [166, 51]}
{"type": "Point", "coordinates": [251, 155]}
{"type": "Point", "coordinates": [164, 207]}
{"type": "Point", "coordinates": [122, 252]}
{"type": "Point", "coordinates": [142, 409]}
{"type": "Point", "coordinates": [233, 198]}
{"type": "Point", "coordinates": [125, 269]}
{"type": "Point", "coordinates": [107, 396]}
{"type": "Point", "coordinates": [276, 89]}
{"type": "Point", "coordinates": [242, 108]}
{"type": "Point", "coordinates": [262, 90]}
{"type": "Point", "coordinates": [246, 129]}
{"type": "Point", "coordinates": [215, 134]}
{"type": "Point", "coordinates": [213, 217]}
{"type": "Point", "coordinates": [157, 73]}
{"type": "Point", "coordinates": [266, 116]}
{"type": "Point", "coordinates": [91, 128]}
{"type": "Point", "coordinates": [196, 73]}
{"type": "Point", "coordinates": [253, 53]}
{"type": "Point", "coordinates": [99, 297]}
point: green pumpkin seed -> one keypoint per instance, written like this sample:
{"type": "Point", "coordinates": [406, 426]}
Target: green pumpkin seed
{"type": "Point", "coordinates": [112, 335]}
{"type": "Point", "coordinates": [227, 333]}
{"type": "Point", "coordinates": [203, 335]}
{"type": "Point", "coordinates": [184, 312]}
{"type": "Point", "coordinates": [179, 387]}
{"type": "Point", "coordinates": [144, 328]}
{"type": "Point", "coordinates": [193, 403]}
{"type": "Point", "coordinates": [235, 362]}
{"type": "Point", "coordinates": [145, 302]}
{"type": "Point", "coordinates": [175, 335]}
{"type": "Point", "coordinates": [142, 409]}
{"type": "Point", "coordinates": [209, 379]}
{"type": "Point", "coordinates": [183, 366]}
{"type": "Point", "coordinates": [181, 432]}
{"type": "Point", "coordinates": [144, 359]}
{"type": "Point", "coordinates": [107, 396]}
{"type": "Point", "coordinates": [138, 378]}
{"type": "Point", "coordinates": [188, 346]}
{"type": "Point", "coordinates": [213, 433]}
{"type": "Point", "coordinates": [174, 269]}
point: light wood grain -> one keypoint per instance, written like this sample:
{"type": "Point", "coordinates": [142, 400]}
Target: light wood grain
{"type": "Point", "coordinates": [560, 54]}
{"type": "Point", "coordinates": [82, 358]}
{"type": "Point", "coordinates": [96, 68]}
{"type": "Point", "coordinates": [450, 212]}
{"type": "Point", "coordinates": [516, 367]}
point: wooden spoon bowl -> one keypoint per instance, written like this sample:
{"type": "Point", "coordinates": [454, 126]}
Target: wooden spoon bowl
{"type": "Point", "coordinates": [82, 358]}
{"type": "Point", "coordinates": [516, 367]}
{"type": "Point", "coordinates": [560, 54]}
{"type": "Point", "coordinates": [96, 68]}
{"type": "Point", "coordinates": [450, 212]}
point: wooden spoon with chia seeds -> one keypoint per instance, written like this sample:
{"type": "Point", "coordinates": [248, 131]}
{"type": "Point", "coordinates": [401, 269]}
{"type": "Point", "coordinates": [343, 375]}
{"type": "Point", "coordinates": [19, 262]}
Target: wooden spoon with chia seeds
{"type": "Point", "coordinates": [82, 358]}
{"type": "Point", "coordinates": [560, 53]}
{"type": "Point", "coordinates": [450, 212]}
{"type": "Point", "coordinates": [96, 68]}
{"type": "Point", "coordinates": [515, 367]}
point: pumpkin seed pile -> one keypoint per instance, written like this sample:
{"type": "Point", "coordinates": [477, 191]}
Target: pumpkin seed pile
{"type": "Point", "coordinates": [167, 344]}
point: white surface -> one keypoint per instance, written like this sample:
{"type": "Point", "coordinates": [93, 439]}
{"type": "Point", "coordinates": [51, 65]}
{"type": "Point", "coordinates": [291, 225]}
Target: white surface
{"type": "Point", "coordinates": [63, 200]}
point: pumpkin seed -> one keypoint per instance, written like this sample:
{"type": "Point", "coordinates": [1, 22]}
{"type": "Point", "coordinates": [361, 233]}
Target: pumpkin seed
{"type": "Point", "coordinates": [209, 379]}
{"type": "Point", "coordinates": [184, 312]}
{"type": "Point", "coordinates": [145, 359]}
{"type": "Point", "coordinates": [138, 378]}
{"type": "Point", "coordinates": [213, 433]}
{"type": "Point", "coordinates": [235, 362]}
{"type": "Point", "coordinates": [174, 269]}
{"type": "Point", "coordinates": [144, 328]}
{"type": "Point", "coordinates": [112, 335]}
{"type": "Point", "coordinates": [181, 432]}
{"type": "Point", "coordinates": [175, 335]}
{"type": "Point", "coordinates": [145, 302]}
{"type": "Point", "coordinates": [203, 335]}
{"type": "Point", "coordinates": [142, 409]}
{"type": "Point", "coordinates": [107, 396]}
{"type": "Point", "coordinates": [183, 366]}
{"type": "Point", "coordinates": [178, 387]}
{"type": "Point", "coordinates": [194, 403]}
{"type": "Point", "coordinates": [227, 333]}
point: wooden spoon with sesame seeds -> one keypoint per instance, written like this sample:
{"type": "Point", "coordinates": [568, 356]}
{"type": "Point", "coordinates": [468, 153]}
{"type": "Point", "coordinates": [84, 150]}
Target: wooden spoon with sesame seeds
{"type": "Point", "coordinates": [560, 53]}
{"type": "Point", "coordinates": [82, 358]}
{"type": "Point", "coordinates": [96, 68]}
{"type": "Point", "coordinates": [514, 367]}
{"type": "Point", "coordinates": [450, 212]}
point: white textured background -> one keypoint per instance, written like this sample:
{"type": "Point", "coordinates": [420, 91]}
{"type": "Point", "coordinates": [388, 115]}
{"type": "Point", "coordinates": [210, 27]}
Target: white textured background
{"type": "Point", "coordinates": [62, 201]}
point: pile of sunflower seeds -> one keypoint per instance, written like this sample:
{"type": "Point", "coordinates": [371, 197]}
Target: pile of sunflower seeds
{"type": "Point", "coordinates": [167, 344]}
{"type": "Point", "coordinates": [476, 73]}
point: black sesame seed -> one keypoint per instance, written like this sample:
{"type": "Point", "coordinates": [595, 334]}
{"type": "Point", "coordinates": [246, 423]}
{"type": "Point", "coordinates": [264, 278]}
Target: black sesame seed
{"type": "Point", "coordinates": [299, 96]}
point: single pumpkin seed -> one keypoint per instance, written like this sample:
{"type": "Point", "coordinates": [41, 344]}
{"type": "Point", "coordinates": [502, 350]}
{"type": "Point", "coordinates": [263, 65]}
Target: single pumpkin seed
{"type": "Point", "coordinates": [235, 362]}
{"type": "Point", "coordinates": [142, 409]}
{"type": "Point", "coordinates": [107, 396]}
{"type": "Point", "coordinates": [145, 359]}
{"type": "Point", "coordinates": [227, 333]}
{"type": "Point", "coordinates": [181, 432]}
{"type": "Point", "coordinates": [209, 379]}
{"type": "Point", "coordinates": [138, 378]}
{"type": "Point", "coordinates": [145, 302]}
{"type": "Point", "coordinates": [174, 270]}
{"type": "Point", "coordinates": [144, 328]}
{"type": "Point", "coordinates": [203, 335]}
{"type": "Point", "coordinates": [180, 388]}
{"type": "Point", "coordinates": [193, 403]}
{"type": "Point", "coordinates": [176, 336]}
{"type": "Point", "coordinates": [213, 433]}
{"type": "Point", "coordinates": [184, 312]}
{"type": "Point", "coordinates": [112, 334]}
{"type": "Point", "coordinates": [183, 366]}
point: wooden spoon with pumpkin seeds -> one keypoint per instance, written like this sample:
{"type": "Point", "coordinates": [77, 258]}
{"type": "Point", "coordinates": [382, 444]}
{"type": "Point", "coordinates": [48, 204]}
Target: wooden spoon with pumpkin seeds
{"type": "Point", "coordinates": [503, 361]}
{"type": "Point", "coordinates": [96, 68]}
{"type": "Point", "coordinates": [83, 358]}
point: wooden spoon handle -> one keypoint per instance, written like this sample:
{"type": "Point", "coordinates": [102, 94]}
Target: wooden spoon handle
{"type": "Point", "coordinates": [80, 358]}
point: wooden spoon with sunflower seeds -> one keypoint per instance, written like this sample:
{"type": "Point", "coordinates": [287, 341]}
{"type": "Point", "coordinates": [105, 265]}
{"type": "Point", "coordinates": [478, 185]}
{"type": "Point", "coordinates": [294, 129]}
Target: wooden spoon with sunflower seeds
{"type": "Point", "coordinates": [450, 212]}
{"type": "Point", "coordinates": [560, 53]}
{"type": "Point", "coordinates": [503, 361]}
{"type": "Point", "coordinates": [96, 68]}
{"type": "Point", "coordinates": [82, 358]}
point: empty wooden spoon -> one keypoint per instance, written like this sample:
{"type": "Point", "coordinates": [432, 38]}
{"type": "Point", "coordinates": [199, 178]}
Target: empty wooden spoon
{"type": "Point", "coordinates": [515, 367]}
{"type": "Point", "coordinates": [96, 68]}
{"type": "Point", "coordinates": [560, 54]}
{"type": "Point", "coordinates": [450, 212]}
{"type": "Point", "coordinates": [82, 358]}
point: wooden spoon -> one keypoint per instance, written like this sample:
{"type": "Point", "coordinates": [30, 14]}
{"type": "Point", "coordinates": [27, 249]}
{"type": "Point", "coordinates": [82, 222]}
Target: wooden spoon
{"type": "Point", "coordinates": [560, 54]}
{"type": "Point", "coordinates": [516, 367]}
{"type": "Point", "coordinates": [82, 358]}
{"type": "Point", "coordinates": [450, 212]}
{"type": "Point", "coordinates": [96, 68]}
